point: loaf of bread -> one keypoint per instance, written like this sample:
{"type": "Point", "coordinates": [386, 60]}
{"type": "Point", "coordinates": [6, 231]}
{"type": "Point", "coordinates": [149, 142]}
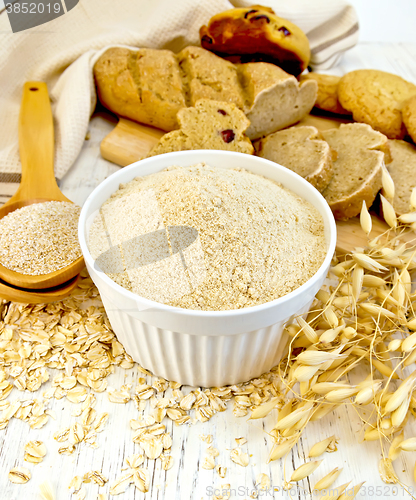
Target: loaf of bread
{"type": "Point", "coordinates": [256, 34]}
{"type": "Point", "coordinates": [402, 168]}
{"type": "Point", "coordinates": [302, 150]}
{"type": "Point", "coordinates": [207, 125]}
{"type": "Point", "coordinates": [275, 99]}
{"type": "Point", "coordinates": [357, 168]}
{"type": "Point", "coordinates": [150, 86]}
{"type": "Point", "coordinates": [144, 85]}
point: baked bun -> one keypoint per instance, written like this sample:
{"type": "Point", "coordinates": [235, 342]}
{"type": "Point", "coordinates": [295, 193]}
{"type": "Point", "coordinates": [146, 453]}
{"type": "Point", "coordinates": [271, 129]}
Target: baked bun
{"type": "Point", "coordinates": [256, 34]}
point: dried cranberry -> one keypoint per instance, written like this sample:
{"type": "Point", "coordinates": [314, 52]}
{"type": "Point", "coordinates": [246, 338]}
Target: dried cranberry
{"type": "Point", "coordinates": [227, 135]}
{"type": "Point", "coordinates": [250, 12]}
{"type": "Point", "coordinates": [222, 112]}
{"type": "Point", "coordinates": [206, 39]}
{"type": "Point", "coordinates": [262, 16]}
{"type": "Point", "coordinates": [285, 30]}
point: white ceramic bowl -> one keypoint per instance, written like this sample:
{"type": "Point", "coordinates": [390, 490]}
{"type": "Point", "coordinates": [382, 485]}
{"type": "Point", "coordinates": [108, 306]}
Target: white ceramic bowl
{"type": "Point", "coordinates": [204, 348]}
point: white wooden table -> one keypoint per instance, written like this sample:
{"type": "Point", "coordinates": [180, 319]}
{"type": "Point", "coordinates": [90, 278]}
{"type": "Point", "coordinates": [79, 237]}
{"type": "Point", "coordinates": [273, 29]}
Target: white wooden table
{"type": "Point", "coordinates": [187, 479]}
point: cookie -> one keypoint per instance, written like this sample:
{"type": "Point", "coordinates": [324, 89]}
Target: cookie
{"type": "Point", "coordinates": [302, 150]}
{"type": "Point", "coordinates": [376, 98]}
{"type": "Point", "coordinates": [327, 98]}
{"type": "Point", "coordinates": [402, 169]}
{"type": "Point", "coordinates": [409, 117]}
{"type": "Point", "coordinates": [357, 168]}
{"type": "Point", "coordinates": [208, 125]}
{"type": "Point", "coordinates": [256, 34]}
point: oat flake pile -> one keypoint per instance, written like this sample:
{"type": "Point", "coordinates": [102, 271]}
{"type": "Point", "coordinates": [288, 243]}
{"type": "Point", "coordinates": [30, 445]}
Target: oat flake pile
{"type": "Point", "coordinates": [259, 240]}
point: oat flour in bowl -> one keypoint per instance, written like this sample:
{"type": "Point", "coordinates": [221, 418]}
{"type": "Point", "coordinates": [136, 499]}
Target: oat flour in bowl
{"type": "Point", "coordinates": [207, 238]}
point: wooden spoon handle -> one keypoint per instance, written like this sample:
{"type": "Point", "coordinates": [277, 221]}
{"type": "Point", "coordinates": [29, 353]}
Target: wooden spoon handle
{"type": "Point", "coordinates": [36, 144]}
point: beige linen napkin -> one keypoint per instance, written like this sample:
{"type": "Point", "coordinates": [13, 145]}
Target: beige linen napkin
{"type": "Point", "coordinates": [63, 51]}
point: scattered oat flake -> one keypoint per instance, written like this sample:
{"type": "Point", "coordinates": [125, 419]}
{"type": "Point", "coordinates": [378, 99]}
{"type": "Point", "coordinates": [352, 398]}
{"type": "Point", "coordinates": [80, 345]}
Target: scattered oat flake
{"type": "Point", "coordinates": [120, 397]}
{"type": "Point", "coordinates": [188, 401]}
{"type": "Point", "coordinates": [208, 463]}
{"type": "Point", "coordinates": [62, 435]}
{"type": "Point", "coordinates": [240, 441]}
{"type": "Point", "coordinates": [38, 422]}
{"type": "Point", "coordinates": [224, 492]}
{"type": "Point", "coordinates": [166, 441]}
{"type": "Point", "coordinates": [81, 494]}
{"type": "Point", "coordinates": [31, 459]}
{"type": "Point", "coordinates": [263, 481]}
{"type": "Point", "coordinates": [66, 450]}
{"type": "Point", "coordinates": [167, 461]}
{"type": "Point", "coordinates": [36, 449]}
{"type": "Point", "coordinates": [207, 438]}
{"type": "Point", "coordinates": [97, 477]}
{"type": "Point", "coordinates": [19, 475]}
{"type": "Point", "coordinates": [88, 416]}
{"type": "Point", "coordinates": [120, 485]}
{"type": "Point", "coordinates": [76, 483]}
{"type": "Point", "coordinates": [100, 422]}
{"type": "Point", "coordinates": [76, 412]}
{"type": "Point", "coordinates": [152, 446]}
{"type": "Point", "coordinates": [141, 479]}
{"type": "Point", "coordinates": [51, 413]}
{"type": "Point", "coordinates": [144, 391]}
{"type": "Point", "coordinates": [212, 451]}
{"type": "Point", "coordinates": [222, 471]}
{"type": "Point", "coordinates": [239, 457]}
{"type": "Point", "coordinates": [134, 461]}
{"type": "Point", "coordinates": [76, 433]}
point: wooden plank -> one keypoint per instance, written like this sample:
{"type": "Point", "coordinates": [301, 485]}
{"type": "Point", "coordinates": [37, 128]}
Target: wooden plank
{"type": "Point", "coordinates": [129, 142]}
{"type": "Point", "coordinates": [350, 235]}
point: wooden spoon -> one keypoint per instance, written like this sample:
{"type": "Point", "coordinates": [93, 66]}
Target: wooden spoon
{"type": "Point", "coordinates": [36, 145]}
{"type": "Point", "coordinates": [43, 296]}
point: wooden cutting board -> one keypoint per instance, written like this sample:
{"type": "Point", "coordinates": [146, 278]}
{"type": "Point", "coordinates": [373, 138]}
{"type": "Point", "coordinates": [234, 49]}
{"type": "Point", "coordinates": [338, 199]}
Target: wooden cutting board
{"type": "Point", "coordinates": [131, 141]}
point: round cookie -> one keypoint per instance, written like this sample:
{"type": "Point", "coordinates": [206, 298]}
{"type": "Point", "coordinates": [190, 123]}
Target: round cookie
{"type": "Point", "coordinates": [409, 117]}
{"type": "Point", "coordinates": [376, 98]}
{"type": "Point", "coordinates": [256, 34]}
{"type": "Point", "coordinates": [327, 98]}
